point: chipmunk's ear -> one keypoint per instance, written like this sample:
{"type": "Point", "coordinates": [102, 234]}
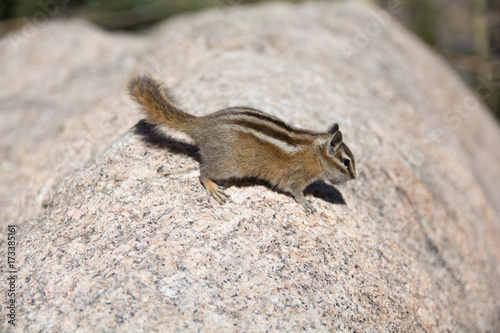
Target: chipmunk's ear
{"type": "Point", "coordinates": [335, 143]}
{"type": "Point", "coordinates": [334, 128]}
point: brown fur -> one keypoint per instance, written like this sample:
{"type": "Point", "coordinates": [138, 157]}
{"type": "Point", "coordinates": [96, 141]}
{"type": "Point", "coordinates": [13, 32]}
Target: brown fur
{"type": "Point", "coordinates": [242, 142]}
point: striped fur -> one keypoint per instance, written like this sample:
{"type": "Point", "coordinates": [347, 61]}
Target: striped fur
{"type": "Point", "coordinates": [242, 142]}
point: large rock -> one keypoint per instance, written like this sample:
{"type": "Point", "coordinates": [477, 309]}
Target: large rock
{"type": "Point", "coordinates": [114, 230]}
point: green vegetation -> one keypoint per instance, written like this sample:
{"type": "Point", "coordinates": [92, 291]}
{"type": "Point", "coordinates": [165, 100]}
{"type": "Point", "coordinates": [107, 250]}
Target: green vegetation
{"type": "Point", "coordinates": [112, 14]}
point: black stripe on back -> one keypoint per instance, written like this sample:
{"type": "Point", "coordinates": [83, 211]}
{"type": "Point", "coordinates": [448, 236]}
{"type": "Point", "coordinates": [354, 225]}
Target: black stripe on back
{"type": "Point", "coordinates": [238, 110]}
{"type": "Point", "coordinates": [272, 132]}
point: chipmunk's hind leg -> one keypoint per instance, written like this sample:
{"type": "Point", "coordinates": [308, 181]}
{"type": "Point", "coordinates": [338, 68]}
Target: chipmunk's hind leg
{"type": "Point", "coordinates": [214, 190]}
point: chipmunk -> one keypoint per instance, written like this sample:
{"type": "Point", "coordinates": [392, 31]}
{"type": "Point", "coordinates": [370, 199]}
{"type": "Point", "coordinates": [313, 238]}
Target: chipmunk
{"type": "Point", "coordinates": [241, 142]}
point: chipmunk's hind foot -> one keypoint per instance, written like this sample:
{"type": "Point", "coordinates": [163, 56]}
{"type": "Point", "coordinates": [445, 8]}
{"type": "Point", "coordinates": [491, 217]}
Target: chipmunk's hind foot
{"type": "Point", "coordinates": [214, 191]}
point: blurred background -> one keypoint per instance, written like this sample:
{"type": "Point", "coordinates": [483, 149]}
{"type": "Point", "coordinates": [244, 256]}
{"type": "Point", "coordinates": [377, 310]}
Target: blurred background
{"type": "Point", "coordinates": [464, 32]}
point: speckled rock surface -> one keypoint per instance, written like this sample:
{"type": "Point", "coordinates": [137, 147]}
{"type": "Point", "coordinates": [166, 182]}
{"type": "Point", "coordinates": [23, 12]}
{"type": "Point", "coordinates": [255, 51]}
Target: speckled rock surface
{"type": "Point", "coordinates": [114, 231]}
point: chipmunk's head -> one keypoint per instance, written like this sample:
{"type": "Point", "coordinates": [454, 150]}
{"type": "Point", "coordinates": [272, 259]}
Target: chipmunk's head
{"type": "Point", "coordinates": [340, 165]}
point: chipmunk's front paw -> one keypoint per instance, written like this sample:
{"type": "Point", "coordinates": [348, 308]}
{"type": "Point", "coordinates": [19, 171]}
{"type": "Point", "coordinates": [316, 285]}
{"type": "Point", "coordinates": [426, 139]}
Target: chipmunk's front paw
{"type": "Point", "coordinates": [306, 204]}
{"type": "Point", "coordinates": [309, 208]}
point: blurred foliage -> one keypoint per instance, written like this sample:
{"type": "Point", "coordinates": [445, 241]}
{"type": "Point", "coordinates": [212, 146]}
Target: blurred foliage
{"type": "Point", "coordinates": [113, 14]}
{"type": "Point", "coordinates": [420, 16]}
{"type": "Point", "coordinates": [465, 32]}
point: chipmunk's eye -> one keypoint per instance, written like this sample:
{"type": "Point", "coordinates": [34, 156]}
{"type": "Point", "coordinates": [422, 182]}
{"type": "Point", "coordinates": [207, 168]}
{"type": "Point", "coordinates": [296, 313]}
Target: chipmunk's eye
{"type": "Point", "coordinates": [346, 162]}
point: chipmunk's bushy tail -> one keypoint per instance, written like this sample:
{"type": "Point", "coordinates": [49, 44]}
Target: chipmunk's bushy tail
{"type": "Point", "coordinates": [157, 105]}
